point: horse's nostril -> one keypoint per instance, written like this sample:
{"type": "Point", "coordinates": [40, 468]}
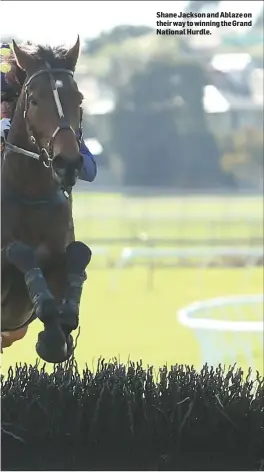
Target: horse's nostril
{"type": "Point", "coordinates": [67, 170]}
{"type": "Point", "coordinates": [59, 163]}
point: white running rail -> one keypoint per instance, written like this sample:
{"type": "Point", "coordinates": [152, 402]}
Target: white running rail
{"type": "Point", "coordinates": [229, 329]}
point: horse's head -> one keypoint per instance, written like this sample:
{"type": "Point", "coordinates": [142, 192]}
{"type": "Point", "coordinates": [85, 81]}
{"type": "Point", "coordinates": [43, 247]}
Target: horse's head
{"type": "Point", "coordinates": [52, 108]}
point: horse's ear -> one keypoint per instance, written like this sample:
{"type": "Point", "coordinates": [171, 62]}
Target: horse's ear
{"type": "Point", "coordinates": [73, 53]}
{"type": "Point", "coordinates": [24, 60]}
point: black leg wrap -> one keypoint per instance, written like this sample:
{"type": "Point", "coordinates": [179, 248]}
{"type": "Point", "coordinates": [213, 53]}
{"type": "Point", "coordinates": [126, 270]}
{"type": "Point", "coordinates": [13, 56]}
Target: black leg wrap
{"type": "Point", "coordinates": [70, 306]}
{"type": "Point", "coordinates": [78, 256]}
{"type": "Point", "coordinates": [43, 302]}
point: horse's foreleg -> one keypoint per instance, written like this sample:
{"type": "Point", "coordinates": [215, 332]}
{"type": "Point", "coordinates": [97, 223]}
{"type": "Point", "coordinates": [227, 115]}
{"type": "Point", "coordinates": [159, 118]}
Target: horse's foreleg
{"type": "Point", "coordinates": [52, 345]}
{"type": "Point", "coordinates": [78, 256]}
{"type": "Point", "coordinates": [23, 257]}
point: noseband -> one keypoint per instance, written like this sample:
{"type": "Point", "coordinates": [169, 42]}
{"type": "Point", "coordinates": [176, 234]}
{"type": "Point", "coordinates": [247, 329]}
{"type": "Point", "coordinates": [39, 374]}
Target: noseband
{"type": "Point", "coordinates": [46, 155]}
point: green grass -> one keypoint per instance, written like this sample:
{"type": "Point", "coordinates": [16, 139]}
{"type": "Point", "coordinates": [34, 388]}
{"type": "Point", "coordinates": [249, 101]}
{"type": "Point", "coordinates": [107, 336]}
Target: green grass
{"type": "Point", "coordinates": [195, 204]}
{"type": "Point", "coordinates": [210, 217]}
{"type": "Point", "coordinates": [128, 320]}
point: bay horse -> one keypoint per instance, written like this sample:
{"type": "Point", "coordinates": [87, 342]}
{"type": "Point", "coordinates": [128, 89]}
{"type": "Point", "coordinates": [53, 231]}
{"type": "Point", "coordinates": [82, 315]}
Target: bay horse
{"type": "Point", "coordinates": [42, 266]}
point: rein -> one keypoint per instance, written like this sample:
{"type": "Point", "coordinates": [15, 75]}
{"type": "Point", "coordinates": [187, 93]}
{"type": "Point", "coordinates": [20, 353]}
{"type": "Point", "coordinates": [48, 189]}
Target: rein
{"type": "Point", "coordinates": [45, 155]}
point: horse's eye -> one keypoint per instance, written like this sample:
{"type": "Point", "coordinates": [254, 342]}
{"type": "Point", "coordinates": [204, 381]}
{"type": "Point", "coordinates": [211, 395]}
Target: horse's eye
{"type": "Point", "coordinates": [32, 100]}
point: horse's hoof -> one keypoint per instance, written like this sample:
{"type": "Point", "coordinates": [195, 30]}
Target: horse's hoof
{"type": "Point", "coordinates": [52, 345]}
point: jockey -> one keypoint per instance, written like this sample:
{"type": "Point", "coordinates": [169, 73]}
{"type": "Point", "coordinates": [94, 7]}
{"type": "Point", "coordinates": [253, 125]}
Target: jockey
{"type": "Point", "coordinates": [9, 96]}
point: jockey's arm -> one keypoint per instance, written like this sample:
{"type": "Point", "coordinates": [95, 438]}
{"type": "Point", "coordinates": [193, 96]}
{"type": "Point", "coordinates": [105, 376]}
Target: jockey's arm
{"type": "Point", "coordinates": [89, 169]}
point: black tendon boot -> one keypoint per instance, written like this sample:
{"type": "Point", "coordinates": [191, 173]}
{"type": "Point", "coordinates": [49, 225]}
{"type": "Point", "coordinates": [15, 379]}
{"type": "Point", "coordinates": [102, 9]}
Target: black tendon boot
{"type": "Point", "coordinates": [78, 258]}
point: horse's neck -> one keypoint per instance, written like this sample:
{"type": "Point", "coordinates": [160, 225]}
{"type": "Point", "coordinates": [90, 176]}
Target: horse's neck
{"type": "Point", "coordinates": [19, 171]}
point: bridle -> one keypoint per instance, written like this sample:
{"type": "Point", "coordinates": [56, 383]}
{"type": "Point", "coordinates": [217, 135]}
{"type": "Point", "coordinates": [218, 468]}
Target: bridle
{"type": "Point", "coordinates": [46, 155]}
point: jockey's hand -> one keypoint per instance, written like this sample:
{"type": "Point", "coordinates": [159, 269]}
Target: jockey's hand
{"type": "Point", "coordinates": [5, 127]}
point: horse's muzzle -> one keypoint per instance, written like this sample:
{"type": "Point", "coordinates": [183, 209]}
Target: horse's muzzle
{"type": "Point", "coordinates": [66, 171]}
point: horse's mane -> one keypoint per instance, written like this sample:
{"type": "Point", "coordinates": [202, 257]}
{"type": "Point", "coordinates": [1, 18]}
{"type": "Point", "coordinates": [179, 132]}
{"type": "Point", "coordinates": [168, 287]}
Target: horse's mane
{"type": "Point", "coordinates": [55, 56]}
